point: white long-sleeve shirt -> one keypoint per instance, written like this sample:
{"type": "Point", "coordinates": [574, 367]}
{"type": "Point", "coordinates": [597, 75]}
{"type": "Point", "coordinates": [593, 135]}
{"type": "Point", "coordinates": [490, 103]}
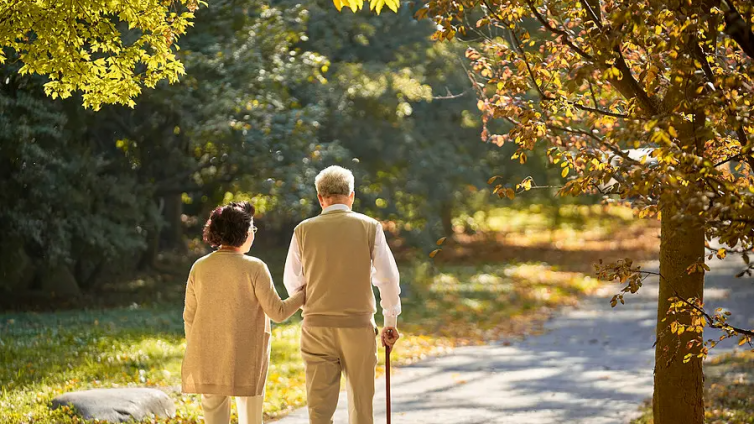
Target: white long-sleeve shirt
{"type": "Point", "coordinates": [385, 274]}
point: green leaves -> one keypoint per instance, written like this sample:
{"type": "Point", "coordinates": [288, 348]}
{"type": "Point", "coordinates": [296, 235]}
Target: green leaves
{"type": "Point", "coordinates": [82, 48]}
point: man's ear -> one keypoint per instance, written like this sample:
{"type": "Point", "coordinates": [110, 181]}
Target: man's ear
{"type": "Point", "coordinates": [321, 200]}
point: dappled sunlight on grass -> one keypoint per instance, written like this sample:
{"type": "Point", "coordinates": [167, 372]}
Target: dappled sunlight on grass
{"type": "Point", "coordinates": [569, 240]}
{"type": "Point", "coordinates": [45, 355]}
{"type": "Point", "coordinates": [538, 217]}
{"type": "Point", "coordinates": [567, 228]}
{"type": "Point", "coordinates": [473, 304]}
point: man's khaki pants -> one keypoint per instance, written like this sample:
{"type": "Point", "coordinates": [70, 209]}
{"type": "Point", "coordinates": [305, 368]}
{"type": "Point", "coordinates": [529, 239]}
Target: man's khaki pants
{"type": "Point", "coordinates": [217, 409]}
{"type": "Point", "coordinates": [329, 351]}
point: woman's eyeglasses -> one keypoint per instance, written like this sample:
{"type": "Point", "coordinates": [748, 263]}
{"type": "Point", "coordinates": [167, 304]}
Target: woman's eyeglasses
{"type": "Point", "coordinates": [253, 229]}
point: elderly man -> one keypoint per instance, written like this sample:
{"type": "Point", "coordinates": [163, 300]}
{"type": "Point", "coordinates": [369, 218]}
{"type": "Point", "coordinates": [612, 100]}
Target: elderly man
{"type": "Point", "coordinates": [338, 255]}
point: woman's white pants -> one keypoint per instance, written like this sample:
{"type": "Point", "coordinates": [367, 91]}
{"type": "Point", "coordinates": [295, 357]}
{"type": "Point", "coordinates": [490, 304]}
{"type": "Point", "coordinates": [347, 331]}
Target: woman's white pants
{"type": "Point", "coordinates": [217, 409]}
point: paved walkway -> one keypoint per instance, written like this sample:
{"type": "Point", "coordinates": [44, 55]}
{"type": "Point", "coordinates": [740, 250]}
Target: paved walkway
{"type": "Point", "coordinates": [594, 366]}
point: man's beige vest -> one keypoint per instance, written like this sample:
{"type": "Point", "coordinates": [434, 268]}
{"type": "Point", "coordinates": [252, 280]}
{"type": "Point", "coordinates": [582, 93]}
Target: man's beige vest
{"type": "Point", "coordinates": [336, 254]}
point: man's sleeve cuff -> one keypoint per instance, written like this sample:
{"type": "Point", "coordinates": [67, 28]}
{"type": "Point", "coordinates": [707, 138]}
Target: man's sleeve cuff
{"type": "Point", "coordinates": [391, 321]}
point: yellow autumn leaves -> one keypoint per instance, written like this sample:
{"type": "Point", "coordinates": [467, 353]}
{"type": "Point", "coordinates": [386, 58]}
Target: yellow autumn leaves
{"type": "Point", "coordinates": [92, 56]}
{"type": "Point", "coordinates": [374, 5]}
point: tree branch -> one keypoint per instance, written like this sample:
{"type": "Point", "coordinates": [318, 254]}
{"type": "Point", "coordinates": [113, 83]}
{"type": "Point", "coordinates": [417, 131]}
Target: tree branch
{"type": "Point", "coordinates": [740, 133]}
{"type": "Point", "coordinates": [627, 86]}
{"type": "Point", "coordinates": [600, 111]}
{"type": "Point", "coordinates": [560, 32]}
{"type": "Point", "coordinates": [528, 68]}
{"type": "Point", "coordinates": [450, 95]}
{"type": "Point", "coordinates": [732, 158]}
{"type": "Point", "coordinates": [545, 97]}
{"type": "Point", "coordinates": [712, 322]}
{"type": "Point", "coordinates": [592, 15]}
{"type": "Point", "coordinates": [591, 90]}
{"type": "Point", "coordinates": [577, 131]}
{"type": "Point", "coordinates": [738, 29]}
{"type": "Point", "coordinates": [613, 149]}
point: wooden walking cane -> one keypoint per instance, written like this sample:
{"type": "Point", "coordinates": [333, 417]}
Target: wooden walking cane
{"type": "Point", "coordinates": [387, 378]}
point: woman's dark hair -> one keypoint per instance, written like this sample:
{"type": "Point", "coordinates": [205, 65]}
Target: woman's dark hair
{"type": "Point", "coordinates": [229, 225]}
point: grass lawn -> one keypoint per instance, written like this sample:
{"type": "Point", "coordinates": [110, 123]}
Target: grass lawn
{"type": "Point", "coordinates": [728, 391]}
{"type": "Point", "coordinates": [501, 282]}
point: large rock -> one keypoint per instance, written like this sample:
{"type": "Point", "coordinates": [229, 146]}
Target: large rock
{"type": "Point", "coordinates": [118, 405]}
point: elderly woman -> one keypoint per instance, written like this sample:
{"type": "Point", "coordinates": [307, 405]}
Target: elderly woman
{"type": "Point", "coordinates": [230, 299]}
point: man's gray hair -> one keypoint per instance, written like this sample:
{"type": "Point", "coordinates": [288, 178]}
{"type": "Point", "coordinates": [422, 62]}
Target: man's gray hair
{"type": "Point", "coordinates": [334, 181]}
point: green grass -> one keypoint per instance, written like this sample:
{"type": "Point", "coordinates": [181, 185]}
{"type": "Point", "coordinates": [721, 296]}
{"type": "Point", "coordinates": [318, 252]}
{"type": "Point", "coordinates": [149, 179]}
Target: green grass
{"type": "Point", "coordinates": [728, 391]}
{"type": "Point", "coordinates": [538, 217]}
{"type": "Point", "coordinates": [453, 301]}
{"type": "Point", "coordinates": [48, 354]}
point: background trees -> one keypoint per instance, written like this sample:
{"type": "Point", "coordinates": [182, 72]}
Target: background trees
{"type": "Point", "coordinates": [88, 191]}
{"type": "Point", "coordinates": [272, 94]}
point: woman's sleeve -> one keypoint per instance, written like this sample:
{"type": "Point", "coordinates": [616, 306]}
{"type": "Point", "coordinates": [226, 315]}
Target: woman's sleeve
{"type": "Point", "coordinates": [189, 310]}
{"type": "Point", "coordinates": [278, 310]}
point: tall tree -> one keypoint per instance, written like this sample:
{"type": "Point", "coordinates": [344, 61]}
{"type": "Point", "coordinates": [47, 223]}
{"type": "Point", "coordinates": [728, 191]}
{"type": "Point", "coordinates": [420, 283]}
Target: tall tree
{"type": "Point", "coordinates": [68, 209]}
{"type": "Point", "coordinates": [608, 76]}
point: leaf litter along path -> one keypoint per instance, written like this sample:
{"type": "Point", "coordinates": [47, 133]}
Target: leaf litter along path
{"type": "Point", "coordinates": [593, 366]}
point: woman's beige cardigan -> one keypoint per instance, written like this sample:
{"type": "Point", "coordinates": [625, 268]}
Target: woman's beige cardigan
{"type": "Point", "coordinates": [229, 297]}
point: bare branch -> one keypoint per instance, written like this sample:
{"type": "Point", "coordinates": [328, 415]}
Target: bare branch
{"type": "Point", "coordinates": [450, 95]}
{"type": "Point", "coordinates": [577, 131]}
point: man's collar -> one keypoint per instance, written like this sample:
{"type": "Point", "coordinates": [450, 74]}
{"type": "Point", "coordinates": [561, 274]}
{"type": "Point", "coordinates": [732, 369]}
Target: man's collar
{"type": "Point", "coordinates": [336, 207]}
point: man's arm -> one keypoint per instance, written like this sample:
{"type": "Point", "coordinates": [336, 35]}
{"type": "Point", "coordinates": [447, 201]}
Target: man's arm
{"type": "Point", "coordinates": [293, 276]}
{"type": "Point", "coordinates": [386, 278]}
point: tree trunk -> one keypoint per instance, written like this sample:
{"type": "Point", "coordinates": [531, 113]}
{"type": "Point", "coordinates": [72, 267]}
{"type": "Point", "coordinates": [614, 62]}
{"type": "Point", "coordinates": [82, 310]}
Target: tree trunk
{"type": "Point", "coordinates": [446, 216]}
{"type": "Point", "coordinates": [678, 387]}
{"type": "Point", "coordinates": [173, 231]}
{"type": "Point", "coordinates": [149, 257]}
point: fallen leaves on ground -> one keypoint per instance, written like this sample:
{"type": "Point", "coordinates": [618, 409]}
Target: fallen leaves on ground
{"type": "Point", "coordinates": [728, 391]}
